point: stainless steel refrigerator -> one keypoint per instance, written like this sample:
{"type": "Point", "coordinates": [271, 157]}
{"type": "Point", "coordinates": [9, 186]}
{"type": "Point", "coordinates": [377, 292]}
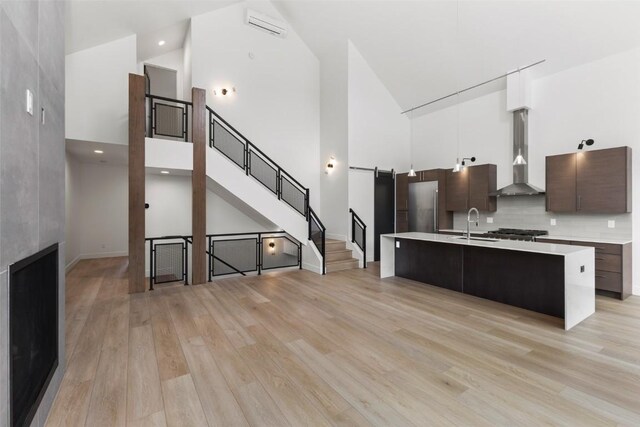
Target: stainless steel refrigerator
{"type": "Point", "coordinates": [423, 206]}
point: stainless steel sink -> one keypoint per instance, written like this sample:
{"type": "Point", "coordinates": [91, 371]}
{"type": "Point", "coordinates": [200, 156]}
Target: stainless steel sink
{"type": "Point", "coordinates": [481, 239]}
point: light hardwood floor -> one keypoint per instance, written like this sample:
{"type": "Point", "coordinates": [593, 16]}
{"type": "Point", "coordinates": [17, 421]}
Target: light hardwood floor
{"type": "Point", "coordinates": [295, 348]}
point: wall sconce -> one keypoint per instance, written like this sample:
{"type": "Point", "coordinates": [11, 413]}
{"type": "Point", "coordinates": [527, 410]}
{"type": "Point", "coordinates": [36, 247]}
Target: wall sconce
{"type": "Point", "coordinates": [589, 142]}
{"type": "Point", "coordinates": [331, 165]}
{"type": "Point", "coordinates": [224, 91]}
{"type": "Point", "coordinates": [460, 166]}
{"type": "Point", "coordinates": [272, 247]}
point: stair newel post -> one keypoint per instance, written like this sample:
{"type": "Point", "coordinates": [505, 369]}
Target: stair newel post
{"type": "Point", "coordinates": [364, 246]}
{"type": "Point", "coordinates": [151, 266]}
{"type": "Point", "coordinates": [259, 253]}
{"type": "Point", "coordinates": [186, 262]}
{"type": "Point", "coordinates": [324, 251]}
{"type": "Point", "coordinates": [209, 256]}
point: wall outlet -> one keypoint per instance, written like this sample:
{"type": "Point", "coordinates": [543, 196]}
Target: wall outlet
{"type": "Point", "coordinates": [489, 220]}
{"type": "Point", "coordinates": [611, 223]}
{"type": "Point", "coordinates": [29, 102]}
{"type": "Point", "coordinates": [397, 244]}
{"type": "Point", "coordinates": [552, 221]}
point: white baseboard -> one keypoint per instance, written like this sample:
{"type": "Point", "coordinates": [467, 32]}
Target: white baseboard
{"type": "Point", "coordinates": [80, 257]}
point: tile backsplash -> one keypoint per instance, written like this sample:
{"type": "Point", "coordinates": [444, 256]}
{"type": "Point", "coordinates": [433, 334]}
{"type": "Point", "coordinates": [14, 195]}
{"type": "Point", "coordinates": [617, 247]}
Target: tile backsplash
{"type": "Point", "coordinates": [529, 212]}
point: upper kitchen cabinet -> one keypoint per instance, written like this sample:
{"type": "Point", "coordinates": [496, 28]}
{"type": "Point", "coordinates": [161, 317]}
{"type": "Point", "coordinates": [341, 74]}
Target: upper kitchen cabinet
{"type": "Point", "coordinates": [596, 181]}
{"type": "Point", "coordinates": [603, 180]}
{"type": "Point", "coordinates": [402, 191]}
{"type": "Point", "coordinates": [561, 182]}
{"type": "Point", "coordinates": [482, 182]}
{"type": "Point", "coordinates": [471, 188]}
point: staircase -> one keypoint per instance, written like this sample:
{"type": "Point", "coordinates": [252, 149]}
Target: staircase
{"type": "Point", "coordinates": [338, 257]}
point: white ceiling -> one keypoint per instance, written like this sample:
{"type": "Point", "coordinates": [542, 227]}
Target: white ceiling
{"type": "Point", "coordinates": [112, 154]}
{"type": "Point", "coordinates": [422, 51]}
{"type": "Point", "coordinates": [93, 22]}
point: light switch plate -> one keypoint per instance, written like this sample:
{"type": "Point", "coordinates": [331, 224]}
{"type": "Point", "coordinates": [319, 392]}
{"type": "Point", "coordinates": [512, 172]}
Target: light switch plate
{"type": "Point", "coordinates": [611, 223]}
{"type": "Point", "coordinates": [552, 221]}
{"type": "Point", "coordinates": [29, 102]}
{"type": "Point", "coordinates": [397, 244]}
{"type": "Point", "coordinates": [489, 220]}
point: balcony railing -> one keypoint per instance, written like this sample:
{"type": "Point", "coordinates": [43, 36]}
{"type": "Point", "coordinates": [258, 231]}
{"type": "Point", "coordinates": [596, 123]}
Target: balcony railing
{"type": "Point", "coordinates": [168, 118]}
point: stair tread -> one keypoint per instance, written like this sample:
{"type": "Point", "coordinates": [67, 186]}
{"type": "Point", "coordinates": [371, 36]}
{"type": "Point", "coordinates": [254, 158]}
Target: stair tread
{"type": "Point", "coordinates": [337, 251]}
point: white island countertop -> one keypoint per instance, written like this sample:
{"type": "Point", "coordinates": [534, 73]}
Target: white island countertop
{"type": "Point", "coordinates": [513, 245]}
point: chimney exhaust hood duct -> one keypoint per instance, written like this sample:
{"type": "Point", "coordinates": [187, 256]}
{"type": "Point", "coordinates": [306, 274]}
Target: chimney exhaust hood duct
{"type": "Point", "coordinates": [520, 186]}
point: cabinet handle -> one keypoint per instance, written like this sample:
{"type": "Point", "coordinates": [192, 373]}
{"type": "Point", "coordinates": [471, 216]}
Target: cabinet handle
{"type": "Point", "coordinates": [599, 276]}
{"type": "Point", "coordinates": [579, 201]}
{"type": "Point", "coordinates": [599, 258]}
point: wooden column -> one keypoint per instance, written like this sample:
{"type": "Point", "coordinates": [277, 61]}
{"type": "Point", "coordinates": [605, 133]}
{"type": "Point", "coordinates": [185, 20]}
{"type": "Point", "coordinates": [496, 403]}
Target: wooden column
{"type": "Point", "coordinates": [136, 183]}
{"type": "Point", "coordinates": [199, 185]}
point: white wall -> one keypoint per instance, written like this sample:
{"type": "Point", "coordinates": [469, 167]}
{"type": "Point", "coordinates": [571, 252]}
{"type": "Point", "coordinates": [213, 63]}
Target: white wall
{"type": "Point", "coordinates": [334, 141]}
{"type": "Point", "coordinates": [187, 65]}
{"type": "Point", "coordinates": [72, 189]}
{"type": "Point", "coordinates": [97, 213]}
{"type": "Point", "coordinates": [97, 84]}
{"type": "Point", "coordinates": [378, 136]}
{"type": "Point", "coordinates": [599, 100]}
{"type": "Point", "coordinates": [277, 100]}
{"type": "Point", "coordinates": [173, 60]}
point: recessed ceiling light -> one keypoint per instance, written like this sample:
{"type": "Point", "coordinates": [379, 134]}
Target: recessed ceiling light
{"type": "Point", "coordinates": [161, 43]}
{"type": "Point", "coordinates": [165, 172]}
{"type": "Point", "coordinates": [98, 151]}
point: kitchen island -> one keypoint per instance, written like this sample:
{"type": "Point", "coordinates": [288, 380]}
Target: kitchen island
{"type": "Point", "coordinates": [554, 279]}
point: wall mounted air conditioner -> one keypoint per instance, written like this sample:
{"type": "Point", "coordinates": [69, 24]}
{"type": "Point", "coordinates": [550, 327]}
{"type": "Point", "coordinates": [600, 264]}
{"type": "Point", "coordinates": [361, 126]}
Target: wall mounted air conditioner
{"type": "Point", "coordinates": [265, 23]}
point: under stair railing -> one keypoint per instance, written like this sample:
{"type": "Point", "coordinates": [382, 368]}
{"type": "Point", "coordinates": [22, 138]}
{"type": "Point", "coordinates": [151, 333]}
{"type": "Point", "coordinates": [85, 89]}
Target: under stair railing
{"type": "Point", "coordinates": [237, 148]}
{"type": "Point", "coordinates": [169, 260]}
{"type": "Point", "coordinates": [241, 253]}
{"type": "Point", "coordinates": [359, 235]}
{"type": "Point", "coordinates": [317, 235]}
{"type": "Point", "coordinates": [168, 118]}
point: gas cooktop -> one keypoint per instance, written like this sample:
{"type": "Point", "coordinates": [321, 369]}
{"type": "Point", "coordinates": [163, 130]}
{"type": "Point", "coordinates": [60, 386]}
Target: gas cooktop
{"type": "Point", "coordinates": [516, 234]}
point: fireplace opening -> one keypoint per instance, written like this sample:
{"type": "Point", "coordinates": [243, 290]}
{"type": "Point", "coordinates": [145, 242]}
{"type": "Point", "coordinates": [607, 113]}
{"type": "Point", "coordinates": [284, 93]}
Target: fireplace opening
{"type": "Point", "coordinates": [33, 324]}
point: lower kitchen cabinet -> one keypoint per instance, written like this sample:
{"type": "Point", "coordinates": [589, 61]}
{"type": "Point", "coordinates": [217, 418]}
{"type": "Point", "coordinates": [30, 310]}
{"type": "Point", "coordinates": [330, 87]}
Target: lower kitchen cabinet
{"type": "Point", "coordinates": [613, 265]}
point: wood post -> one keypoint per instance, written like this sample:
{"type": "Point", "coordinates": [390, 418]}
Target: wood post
{"type": "Point", "coordinates": [199, 185]}
{"type": "Point", "coordinates": [136, 183]}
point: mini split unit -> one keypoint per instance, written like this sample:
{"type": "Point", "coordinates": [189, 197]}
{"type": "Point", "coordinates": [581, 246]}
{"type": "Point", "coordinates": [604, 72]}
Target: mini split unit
{"type": "Point", "coordinates": [265, 23]}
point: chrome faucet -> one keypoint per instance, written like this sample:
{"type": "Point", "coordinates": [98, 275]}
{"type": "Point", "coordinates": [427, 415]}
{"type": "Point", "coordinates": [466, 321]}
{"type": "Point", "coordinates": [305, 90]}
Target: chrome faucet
{"type": "Point", "coordinates": [477, 221]}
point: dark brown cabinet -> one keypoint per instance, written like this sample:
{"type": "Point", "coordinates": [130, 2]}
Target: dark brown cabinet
{"type": "Point", "coordinates": [561, 183]}
{"type": "Point", "coordinates": [402, 191]}
{"type": "Point", "coordinates": [471, 187]}
{"type": "Point", "coordinates": [612, 262]}
{"type": "Point", "coordinates": [596, 181]}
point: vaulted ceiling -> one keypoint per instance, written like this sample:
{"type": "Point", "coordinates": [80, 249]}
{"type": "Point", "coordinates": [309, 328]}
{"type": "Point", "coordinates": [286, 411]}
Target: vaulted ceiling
{"type": "Point", "coordinates": [420, 50]}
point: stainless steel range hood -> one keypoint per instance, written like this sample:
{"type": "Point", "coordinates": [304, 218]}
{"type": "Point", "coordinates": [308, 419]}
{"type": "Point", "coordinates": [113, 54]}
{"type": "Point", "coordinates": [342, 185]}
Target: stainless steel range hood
{"type": "Point", "coordinates": [520, 186]}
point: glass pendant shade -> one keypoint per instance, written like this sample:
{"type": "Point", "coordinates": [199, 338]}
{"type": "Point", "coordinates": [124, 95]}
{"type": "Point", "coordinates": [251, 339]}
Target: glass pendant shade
{"type": "Point", "coordinates": [519, 160]}
{"type": "Point", "coordinates": [457, 167]}
{"type": "Point", "coordinates": [412, 173]}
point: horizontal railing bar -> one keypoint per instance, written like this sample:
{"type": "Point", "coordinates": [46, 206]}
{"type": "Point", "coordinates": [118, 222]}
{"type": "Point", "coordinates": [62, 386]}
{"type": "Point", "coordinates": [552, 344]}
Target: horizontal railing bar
{"type": "Point", "coordinates": [168, 237]}
{"type": "Point", "coordinates": [164, 98]}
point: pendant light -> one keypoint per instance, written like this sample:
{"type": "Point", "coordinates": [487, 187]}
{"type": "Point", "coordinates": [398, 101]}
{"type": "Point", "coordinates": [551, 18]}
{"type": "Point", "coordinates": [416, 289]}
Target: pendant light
{"type": "Point", "coordinates": [519, 160]}
{"type": "Point", "coordinates": [412, 172]}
